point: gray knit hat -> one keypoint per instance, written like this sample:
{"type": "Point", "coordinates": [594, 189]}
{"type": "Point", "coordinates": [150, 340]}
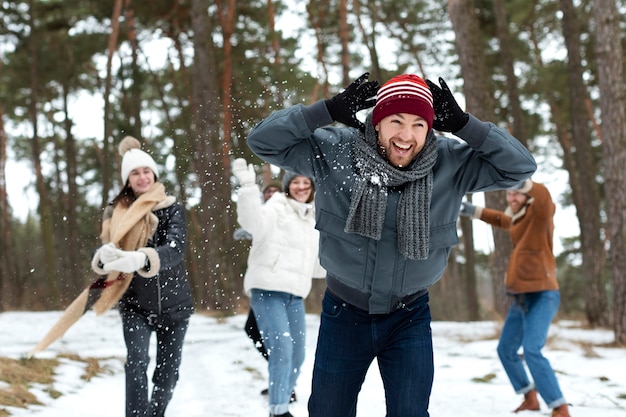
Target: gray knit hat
{"type": "Point", "coordinates": [289, 176]}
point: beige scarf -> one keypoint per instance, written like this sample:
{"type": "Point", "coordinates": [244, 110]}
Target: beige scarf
{"type": "Point", "coordinates": [129, 228]}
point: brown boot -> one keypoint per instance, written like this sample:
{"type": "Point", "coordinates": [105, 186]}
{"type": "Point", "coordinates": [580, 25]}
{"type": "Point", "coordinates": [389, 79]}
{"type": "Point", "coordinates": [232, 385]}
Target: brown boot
{"type": "Point", "coordinates": [530, 402]}
{"type": "Point", "coordinates": [561, 411]}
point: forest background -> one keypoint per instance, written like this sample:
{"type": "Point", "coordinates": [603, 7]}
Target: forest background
{"type": "Point", "coordinates": [550, 71]}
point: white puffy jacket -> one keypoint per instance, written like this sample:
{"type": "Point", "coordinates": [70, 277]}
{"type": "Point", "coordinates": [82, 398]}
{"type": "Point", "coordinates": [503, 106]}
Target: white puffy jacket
{"type": "Point", "coordinates": [284, 252]}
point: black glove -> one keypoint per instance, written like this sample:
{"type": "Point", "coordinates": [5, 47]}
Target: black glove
{"type": "Point", "coordinates": [358, 96]}
{"type": "Point", "coordinates": [448, 115]}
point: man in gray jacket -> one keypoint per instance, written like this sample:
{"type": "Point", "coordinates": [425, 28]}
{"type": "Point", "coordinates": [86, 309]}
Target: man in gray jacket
{"type": "Point", "coordinates": [388, 198]}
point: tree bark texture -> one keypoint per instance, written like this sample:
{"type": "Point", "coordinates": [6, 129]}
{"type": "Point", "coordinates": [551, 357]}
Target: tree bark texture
{"type": "Point", "coordinates": [44, 209]}
{"type": "Point", "coordinates": [213, 247]}
{"type": "Point", "coordinates": [609, 54]}
{"type": "Point", "coordinates": [480, 103]}
{"type": "Point", "coordinates": [585, 171]}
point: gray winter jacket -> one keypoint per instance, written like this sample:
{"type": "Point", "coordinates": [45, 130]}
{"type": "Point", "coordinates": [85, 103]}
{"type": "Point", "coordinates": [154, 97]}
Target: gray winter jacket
{"type": "Point", "coordinates": [373, 274]}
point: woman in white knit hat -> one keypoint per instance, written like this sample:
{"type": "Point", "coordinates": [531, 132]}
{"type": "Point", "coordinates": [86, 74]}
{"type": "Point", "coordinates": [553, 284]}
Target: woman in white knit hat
{"type": "Point", "coordinates": [144, 236]}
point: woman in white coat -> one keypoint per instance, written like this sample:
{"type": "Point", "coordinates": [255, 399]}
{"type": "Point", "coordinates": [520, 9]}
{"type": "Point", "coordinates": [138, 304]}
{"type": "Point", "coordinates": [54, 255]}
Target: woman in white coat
{"type": "Point", "coordinates": [282, 260]}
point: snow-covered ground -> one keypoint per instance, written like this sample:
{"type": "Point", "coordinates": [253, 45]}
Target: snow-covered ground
{"type": "Point", "coordinates": [222, 374]}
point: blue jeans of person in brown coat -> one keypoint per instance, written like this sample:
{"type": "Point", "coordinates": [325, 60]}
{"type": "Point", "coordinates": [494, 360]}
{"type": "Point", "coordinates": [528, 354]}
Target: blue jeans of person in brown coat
{"type": "Point", "coordinates": [526, 325]}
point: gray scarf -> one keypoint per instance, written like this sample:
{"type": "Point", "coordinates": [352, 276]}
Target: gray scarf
{"type": "Point", "coordinates": [374, 175]}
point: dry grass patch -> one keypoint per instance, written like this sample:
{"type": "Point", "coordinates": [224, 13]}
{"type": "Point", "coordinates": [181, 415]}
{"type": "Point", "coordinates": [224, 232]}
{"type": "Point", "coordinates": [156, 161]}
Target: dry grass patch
{"type": "Point", "coordinates": [19, 375]}
{"type": "Point", "coordinates": [94, 367]}
{"type": "Point", "coordinates": [484, 379]}
{"type": "Point", "coordinates": [24, 371]}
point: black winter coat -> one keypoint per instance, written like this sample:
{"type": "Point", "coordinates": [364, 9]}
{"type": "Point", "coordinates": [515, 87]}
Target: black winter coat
{"type": "Point", "coordinates": [168, 294]}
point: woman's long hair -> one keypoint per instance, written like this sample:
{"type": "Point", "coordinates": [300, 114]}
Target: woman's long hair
{"type": "Point", "coordinates": [126, 196]}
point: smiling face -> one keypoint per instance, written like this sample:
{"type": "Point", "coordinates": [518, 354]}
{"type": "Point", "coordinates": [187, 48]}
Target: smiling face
{"type": "Point", "coordinates": [140, 180]}
{"type": "Point", "coordinates": [300, 189]}
{"type": "Point", "coordinates": [516, 200]}
{"type": "Point", "coordinates": [401, 137]}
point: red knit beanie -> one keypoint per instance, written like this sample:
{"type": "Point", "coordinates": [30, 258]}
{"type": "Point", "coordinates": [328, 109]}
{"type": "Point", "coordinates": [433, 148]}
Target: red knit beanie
{"type": "Point", "coordinates": [405, 93]}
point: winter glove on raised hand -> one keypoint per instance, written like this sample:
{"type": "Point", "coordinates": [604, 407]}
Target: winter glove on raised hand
{"type": "Point", "coordinates": [109, 253]}
{"type": "Point", "coordinates": [467, 209]}
{"type": "Point", "coordinates": [448, 115]}
{"type": "Point", "coordinates": [129, 261]}
{"type": "Point", "coordinates": [359, 95]}
{"type": "Point", "coordinates": [243, 172]}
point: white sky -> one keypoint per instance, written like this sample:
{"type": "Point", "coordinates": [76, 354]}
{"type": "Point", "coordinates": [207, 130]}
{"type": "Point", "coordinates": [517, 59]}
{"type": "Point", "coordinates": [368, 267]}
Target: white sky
{"type": "Point", "coordinates": [222, 374]}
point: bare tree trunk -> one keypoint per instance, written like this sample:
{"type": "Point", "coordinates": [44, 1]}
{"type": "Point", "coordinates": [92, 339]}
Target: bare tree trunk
{"type": "Point", "coordinates": [480, 103]}
{"type": "Point", "coordinates": [107, 140]}
{"type": "Point", "coordinates": [517, 125]}
{"type": "Point", "coordinates": [317, 11]}
{"type": "Point", "coordinates": [215, 247]}
{"type": "Point", "coordinates": [277, 62]}
{"type": "Point", "coordinates": [8, 265]}
{"type": "Point", "coordinates": [369, 40]}
{"type": "Point", "coordinates": [609, 57]}
{"type": "Point", "coordinates": [45, 212]}
{"type": "Point", "coordinates": [184, 146]}
{"type": "Point", "coordinates": [560, 119]}
{"type": "Point", "coordinates": [134, 98]}
{"type": "Point", "coordinates": [232, 286]}
{"type": "Point", "coordinates": [516, 120]}
{"type": "Point", "coordinates": [344, 39]}
{"type": "Point", "coordinates": [470, 294]}
{"type": "Point", "coordinates": [73, 245]}
{"type": "Point", "coordinates": [448, 301]}
{"type": "Point", "coordinates": [227, 20]}
{"type": "Point", "coordinates": [585, 172]}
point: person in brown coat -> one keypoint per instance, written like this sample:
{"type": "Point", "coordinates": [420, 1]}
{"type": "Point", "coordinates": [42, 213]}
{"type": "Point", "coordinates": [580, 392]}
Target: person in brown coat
{"type": "Point", "coordinates": [531, 282]}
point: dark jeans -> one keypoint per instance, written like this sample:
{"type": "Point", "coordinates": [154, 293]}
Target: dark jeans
{"type": "Point", "coordinates": [350, 339]}
{"type": "Point", "coordinates": [252, 330]}
{"type": "Point", "coordinates": [170, 336]}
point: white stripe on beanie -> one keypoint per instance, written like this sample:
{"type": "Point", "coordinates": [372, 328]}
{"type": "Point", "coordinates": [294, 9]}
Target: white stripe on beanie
{"type": "Point", "coordinates": [404, 88]}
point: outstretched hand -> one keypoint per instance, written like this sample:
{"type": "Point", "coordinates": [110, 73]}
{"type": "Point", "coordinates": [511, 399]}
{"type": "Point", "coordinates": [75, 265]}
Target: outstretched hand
{"type": "Point", "coordinates": [359, 95]}
{"type": "Point", "coordinates": [244, 172]}
{"type": "Point", "coordinates": [449, 117]}
{"type": "Point", "coordinates": [128, 261]}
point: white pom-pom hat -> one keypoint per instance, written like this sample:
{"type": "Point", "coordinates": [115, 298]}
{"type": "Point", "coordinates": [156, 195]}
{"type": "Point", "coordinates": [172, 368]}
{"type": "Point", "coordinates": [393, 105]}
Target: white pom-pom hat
{"type": "Point", "coordinates": [133, 157]}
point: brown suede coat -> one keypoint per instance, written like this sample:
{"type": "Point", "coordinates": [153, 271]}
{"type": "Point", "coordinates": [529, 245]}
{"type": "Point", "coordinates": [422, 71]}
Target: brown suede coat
{"type": "Point", "coordinates": [532, 266]}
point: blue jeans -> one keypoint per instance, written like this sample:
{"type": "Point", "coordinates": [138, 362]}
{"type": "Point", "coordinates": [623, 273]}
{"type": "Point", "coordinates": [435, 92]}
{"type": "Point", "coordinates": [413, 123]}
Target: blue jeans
{"type": "Point", "coordinates": [281, 320]}
{"type": "Point", "coordinates": [350, 339]}
{"type": "Point", "coordinates": [526, 325]}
